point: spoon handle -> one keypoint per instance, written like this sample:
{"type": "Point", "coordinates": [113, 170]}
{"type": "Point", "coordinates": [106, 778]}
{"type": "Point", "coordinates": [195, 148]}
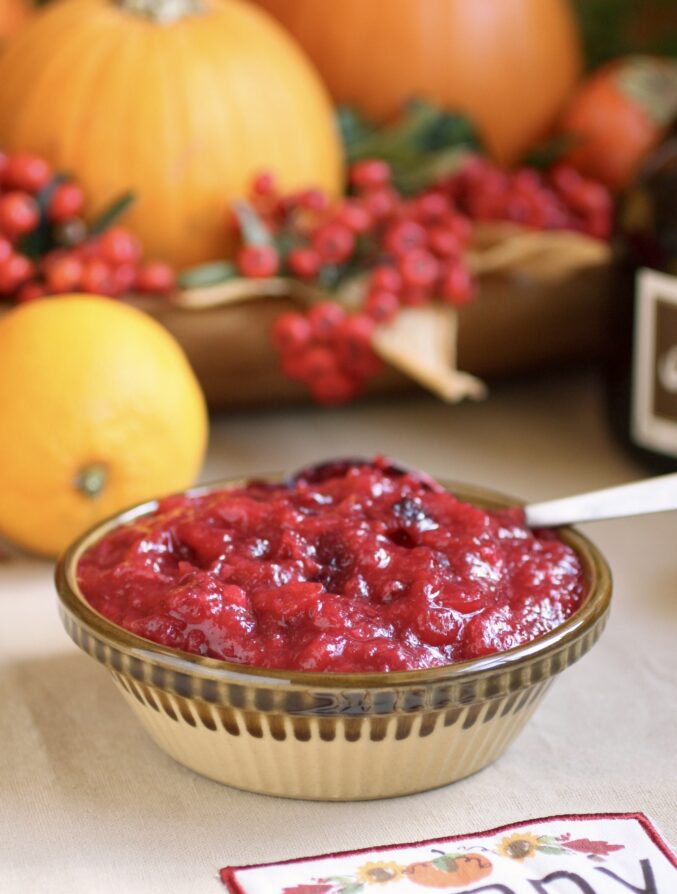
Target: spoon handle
{"type": "Point", "coordinates": [651, 495]}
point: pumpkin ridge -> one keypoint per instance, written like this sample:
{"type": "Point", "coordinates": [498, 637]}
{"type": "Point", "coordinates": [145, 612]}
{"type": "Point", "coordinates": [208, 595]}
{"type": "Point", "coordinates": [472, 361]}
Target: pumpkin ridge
{"type": "Point", "coordinates": [29, 53]}
{"type": "Point", "coordinates": [83, 135]}
{"type": "Point", "coordinates": [132, 104]}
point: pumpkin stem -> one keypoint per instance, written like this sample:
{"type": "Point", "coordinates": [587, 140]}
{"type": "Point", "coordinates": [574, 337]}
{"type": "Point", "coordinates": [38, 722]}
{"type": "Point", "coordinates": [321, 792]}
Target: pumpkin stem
{"type": "Point", "coordinates": [91, 480]}
{"type": "Point", "coordinates": [163, 12]}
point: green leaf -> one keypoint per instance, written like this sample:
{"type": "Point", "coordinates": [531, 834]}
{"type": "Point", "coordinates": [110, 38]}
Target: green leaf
{"type": "Point", "coordinates": [550, 850]}
{"type": "Point", "coordinates": [44, 196]}
{"type": "Point", "coordinates": [39, 241]}
{"type": "Point", "coordinates": [254, 231]}
{"type": "Point", "coordinates": [420, 146]}
{"type": "Point", "coordinates": [35, 243]}
{"type": "Point", "coordinates": [447, 862]}
{"type": "Point", "coordinates": [206, 274]}
{"type": "Point", "coordinates": [352, 127]}
{"type": "Point", "coordinates": [544, 155]}
{"type": "Point", "coordinates": [329, 276]}
{"type": "Point", "coordinates": [112, 213]}
{"type": "Point", "coordinates": [352, 888]}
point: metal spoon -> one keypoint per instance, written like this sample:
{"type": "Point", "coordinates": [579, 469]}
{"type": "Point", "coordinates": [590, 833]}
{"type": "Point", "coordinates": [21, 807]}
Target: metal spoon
{"type": "Point", "coordinates": [639, 498]}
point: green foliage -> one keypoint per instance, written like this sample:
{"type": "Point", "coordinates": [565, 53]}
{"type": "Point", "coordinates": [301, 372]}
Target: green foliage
{"type": "Point", "coordinates": [423, 144]}
{"type": "Point", "coordinates": [612, 28]}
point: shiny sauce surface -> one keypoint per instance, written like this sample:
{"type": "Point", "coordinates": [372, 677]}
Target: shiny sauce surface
{"type": "Point", "coordinates": [363, 568]}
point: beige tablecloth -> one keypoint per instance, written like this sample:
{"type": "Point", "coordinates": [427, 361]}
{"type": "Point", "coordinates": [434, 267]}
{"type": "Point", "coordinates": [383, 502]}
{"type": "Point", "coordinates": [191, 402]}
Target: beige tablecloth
{"type": "Point", "coordinates": [89, 804]}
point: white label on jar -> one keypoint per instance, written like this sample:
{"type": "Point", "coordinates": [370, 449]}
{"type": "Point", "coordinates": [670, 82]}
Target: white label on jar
{"type": "Point", "coordinates": [654, 374]}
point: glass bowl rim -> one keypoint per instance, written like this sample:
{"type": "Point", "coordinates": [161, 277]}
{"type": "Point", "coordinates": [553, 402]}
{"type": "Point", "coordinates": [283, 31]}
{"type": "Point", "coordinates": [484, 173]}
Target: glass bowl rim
{"type": "Point", "coordinates": [74, 604]}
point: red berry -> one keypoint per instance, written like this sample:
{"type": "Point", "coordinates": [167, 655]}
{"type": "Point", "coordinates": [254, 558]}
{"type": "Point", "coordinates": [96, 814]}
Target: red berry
{"type": "Point", "coordinates": [431, 207]}
{"type": "Point", "coordinates": [318, 360]}
{"type": "Point", "coordinates": [6, 249]}
{"type": "Point", "coordinates": [403, 236]}
{"type": "Point", "coordinates": [383, 277]}
{"type": "Point", "coordinates": [4, 160]}
{"type": "Point", "coordinates": [334, 242]}
{"type": "Point", "coordinates": [565, 178]}
{"type": "Point", "coordinates": [119, 246]}
{"type": "Point", "coordinates": [354, 347]}
{"type": "Point", "coordinates": [355, 216]}
{"type": "Point", "coordinates": [19, 214]}
{"type": "Point", "coordinates": [381, 203]}
{"type": "Point", "coordinates": [518, 208]}
{"type": "Point", "coordinates": [14, 272]}
{"type": "Point", "coordinates": [313, 200]}
{"type": "Point", "coordinates": [415, 296]}
{"type": "Point", "coordinates": [325, 318]}
{"type": "Point", "coordinates": [30, 291]}
{"type": "Point", "coordinates": [124, 278]}
{"type": "Point", "coordinates": [590, 197]}
{"type": "Point", "coordinates": [96, 277]}
{"type": "Point", "coordinates": [370, 174]}
{"type": "Point", "coordinates": [334, 388]}
{"type": "Point", "coordinates": [527, 180]}
{"type": "Point", "coordinates": [457, 286]}
{"type": "Point", "coordinates": [294, 366]}
{"type": "Point", "coordinates": [155, 278]}
{"type": "Point", "coordinates": [304, 262]}
{"type": "Point", "coordinates": [64, 275]}
{"type": "Point", "coordinates": [291, 332]}
{"type": "Point", "coordinates": [419, 268]}
{"type": "Point", "coordinates": [67, 201]}
{"type": "Point", "coordinates": [26, 172]}
{"type": "Point", "coordinates": [443, 242]}
{"type": "Point", "coordinates": [258, 261]}
{"type": "Point", "coordinates": [598, 224]}
{"type": "Point", "coordinates": [460, 226]}
{"type": "Point", "coordinates": [382, 305]}
{"type": "Point", "coordinates": [264, 184]}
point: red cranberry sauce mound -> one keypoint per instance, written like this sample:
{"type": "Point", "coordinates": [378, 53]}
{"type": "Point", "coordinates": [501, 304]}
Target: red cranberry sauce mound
{"type": "Point", "coordinates": [362, 567]}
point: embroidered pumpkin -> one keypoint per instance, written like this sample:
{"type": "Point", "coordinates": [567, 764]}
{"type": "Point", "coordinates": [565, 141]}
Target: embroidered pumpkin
{"type": "Point", "coordinates": [509, 65]}
{"type": "Point", "coordinates": [182, 101]}
{"type": "Point", "coordinates": [450, 871]}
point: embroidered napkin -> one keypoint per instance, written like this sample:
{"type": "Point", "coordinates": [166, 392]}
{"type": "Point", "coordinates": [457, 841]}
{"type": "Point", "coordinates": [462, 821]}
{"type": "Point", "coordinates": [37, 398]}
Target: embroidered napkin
{"type": "Point", "coordinates": [585, 854]}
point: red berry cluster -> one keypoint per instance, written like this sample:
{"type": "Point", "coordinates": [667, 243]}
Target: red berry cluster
{"type": "Point", "coordinates": [47, 249]}
{"type": "Point", "coordinates": [558, 199]}
{"type": "Point", "coordinates": [411, 250]}
{"type": "Point", "coordinates": [327, 349]}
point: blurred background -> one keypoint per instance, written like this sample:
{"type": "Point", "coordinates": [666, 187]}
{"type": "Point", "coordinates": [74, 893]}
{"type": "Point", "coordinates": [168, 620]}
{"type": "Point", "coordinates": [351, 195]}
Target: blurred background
{"type": "Point", "coordinates": [315, 203]}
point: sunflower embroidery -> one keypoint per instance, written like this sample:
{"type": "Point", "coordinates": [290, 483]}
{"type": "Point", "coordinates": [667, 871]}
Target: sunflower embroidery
{"type": "Point", "coordinates": [378, 873]}
{"type": "Point", "coordinates": [519, 846]}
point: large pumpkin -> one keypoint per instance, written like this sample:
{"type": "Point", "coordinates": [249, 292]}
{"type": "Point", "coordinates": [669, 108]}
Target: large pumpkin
{"type": "Point", "coordinates": [509, 63]}
{"type": "Point", "coordinates": [13, 15]}
{"type": "Point", "coordinates": [182, 101]}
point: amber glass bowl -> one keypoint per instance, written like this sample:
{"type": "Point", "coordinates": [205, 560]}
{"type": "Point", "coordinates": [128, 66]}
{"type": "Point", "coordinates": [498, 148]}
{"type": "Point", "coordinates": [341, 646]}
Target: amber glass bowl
{"type": "Point", "coordinates": [331, 736]}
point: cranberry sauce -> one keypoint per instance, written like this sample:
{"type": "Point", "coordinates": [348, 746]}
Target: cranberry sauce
{"type": "Point", "coordinates": [368, 569]}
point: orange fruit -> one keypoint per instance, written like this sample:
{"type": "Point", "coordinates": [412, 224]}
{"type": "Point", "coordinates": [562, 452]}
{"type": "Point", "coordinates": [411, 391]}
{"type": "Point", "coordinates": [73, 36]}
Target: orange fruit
{"type": "Point", "coordinates": [99, 409]}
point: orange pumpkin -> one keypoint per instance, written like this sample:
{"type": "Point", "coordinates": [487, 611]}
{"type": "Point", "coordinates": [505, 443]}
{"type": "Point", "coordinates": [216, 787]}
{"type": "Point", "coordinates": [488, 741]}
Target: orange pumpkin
{"type": "Point", "coordinates": [13, 14]}
{"type": "Point", "coordinates": [182, 101]}
{"type": "Point", "coordinates": [509, 63]}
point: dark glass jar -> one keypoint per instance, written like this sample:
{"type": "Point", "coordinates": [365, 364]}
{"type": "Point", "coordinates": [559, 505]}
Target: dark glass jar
{"type": "Point", "coordinates": [642, 354]}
